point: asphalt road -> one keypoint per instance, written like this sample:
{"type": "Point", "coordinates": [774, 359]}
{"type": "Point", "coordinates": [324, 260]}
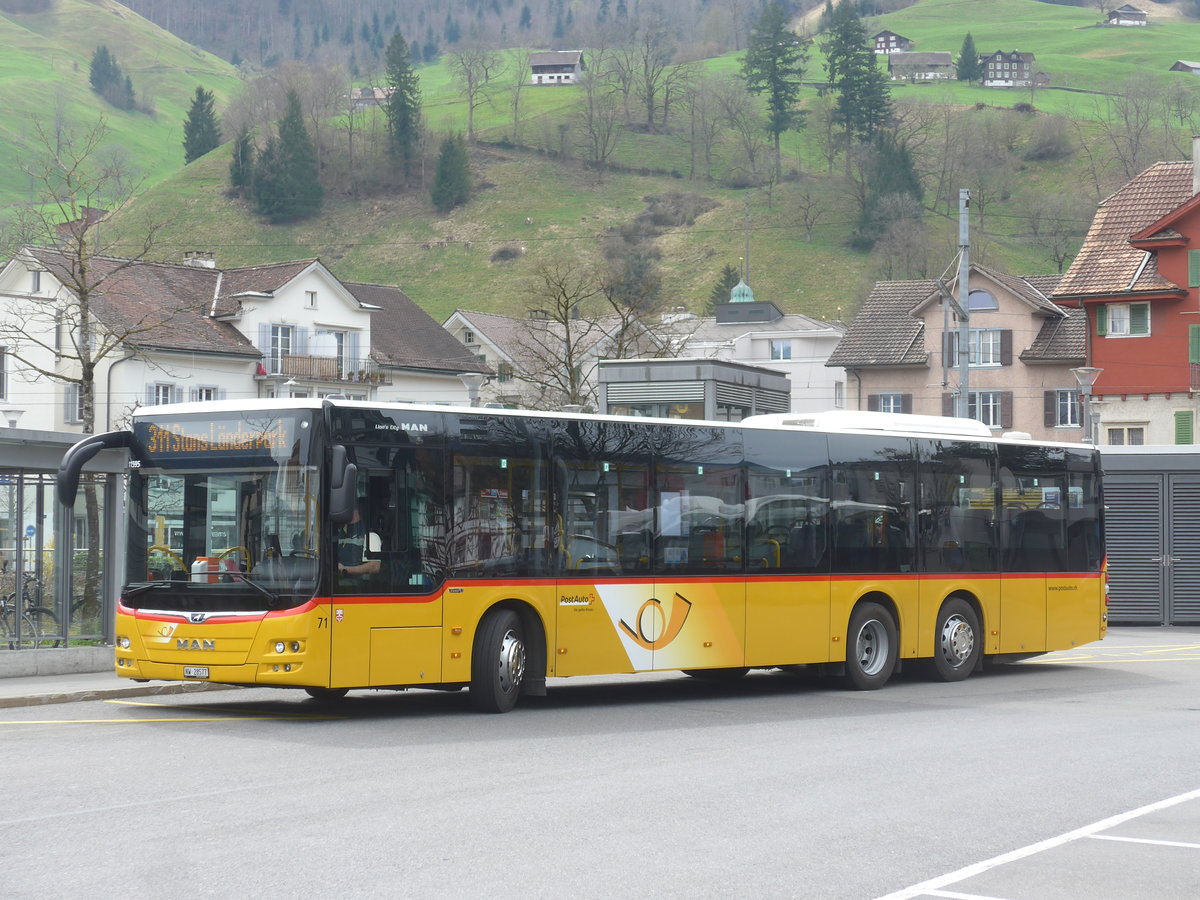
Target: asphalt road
{"type": "Point", "coordinates": [1076, 775]}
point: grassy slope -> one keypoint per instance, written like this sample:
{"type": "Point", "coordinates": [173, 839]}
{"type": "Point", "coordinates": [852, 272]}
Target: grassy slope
{"type": "Point", "coordinates": [383, 238]}
{"type": "Point", "coordinates": [44, 76]}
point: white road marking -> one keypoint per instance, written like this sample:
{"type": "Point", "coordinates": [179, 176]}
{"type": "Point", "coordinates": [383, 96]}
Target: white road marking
{"type": "Point", "coordinates": [933, 885]}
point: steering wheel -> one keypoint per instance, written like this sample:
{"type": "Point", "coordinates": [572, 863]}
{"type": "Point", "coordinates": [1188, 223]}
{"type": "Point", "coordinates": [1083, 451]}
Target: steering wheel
{"type": "Point", "coordinates": [171, 553]}
{"type": "Point", "coordinates": [242, 550]}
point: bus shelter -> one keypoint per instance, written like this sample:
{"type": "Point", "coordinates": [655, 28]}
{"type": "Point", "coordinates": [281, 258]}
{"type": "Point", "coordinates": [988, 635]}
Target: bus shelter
{"type": "Point", "coordinates": [59, 569]}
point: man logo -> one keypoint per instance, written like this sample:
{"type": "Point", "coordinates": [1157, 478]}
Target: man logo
{"type": "Point", "coordinates": [655, 627]}
{"type": "Point", "coordinates": [185, 644]}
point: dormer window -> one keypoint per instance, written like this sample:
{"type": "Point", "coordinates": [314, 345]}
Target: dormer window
{"type": "Point", "coordinates": [468, 337]}
{"type": "Point", "coordinates": [981, 300]}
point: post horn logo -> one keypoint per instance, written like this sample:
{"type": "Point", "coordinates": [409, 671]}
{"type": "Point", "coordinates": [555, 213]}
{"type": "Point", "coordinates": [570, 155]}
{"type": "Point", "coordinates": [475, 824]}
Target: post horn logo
{"type": "Point", "coordinates": [655, 628]}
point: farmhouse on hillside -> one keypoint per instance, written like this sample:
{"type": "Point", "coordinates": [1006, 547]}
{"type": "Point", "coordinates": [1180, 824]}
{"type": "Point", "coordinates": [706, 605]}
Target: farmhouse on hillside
{"type": "Point", "coordinates": [928, 66]}
{"type": "Point", "coordinates": [1126, 15]}
{"type": "Point", "coordinates": [556, 66]}
{"type": "Point", "coordinates": [890, 42]}
{"type": "Point", "coordinates": [1008, 69]}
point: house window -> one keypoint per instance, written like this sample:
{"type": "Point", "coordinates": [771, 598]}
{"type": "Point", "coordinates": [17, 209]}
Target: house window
{"type": "Point", "coordinates": [989, 407]}
{"type": "Point", "coordinates": [504, 372]}
{"type": "Point", "coordinates": [987, 347]}
{"type": "Point", "coordinates": [839, 395]}
{"type": "Point", "coordinates": [981, 300]}
{"type": "Point", "coordinates": [1193, 258]}
{"type": "Point", "coordinates": [1062, 409]}
{"type": "Point", "coordinates": [468, 337]}
{"type": "Point", "coordinates": [73, 406]}
{"type": "Point", "coordinates": [281, 346]}
{"type": "Point", "coordinates": [1185, 426]}
{"type": "Point", "coordinates": [1123, 319]}
{"type": "Point", "coordinates": [162, 393]}
{"type": "Point", "coordinates": [310, 299]}
{"type": "Point", "coordinates": [35, 277]}
{"type": "Point", "coordinates": [892, 403]}
{"type": "Point", "coordinates": [205, 393]}
{"type": "Point", "coordinates": [781, 349]}
{"type": "Point", "coordinates": [1126, 435]}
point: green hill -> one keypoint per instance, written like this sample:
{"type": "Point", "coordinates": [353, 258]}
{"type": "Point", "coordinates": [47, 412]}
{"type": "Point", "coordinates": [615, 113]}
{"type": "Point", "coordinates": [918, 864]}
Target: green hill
{"type": "Point", "coordinates": [537, 207]}
{"type": "Point", "coordinates": [44, 79]}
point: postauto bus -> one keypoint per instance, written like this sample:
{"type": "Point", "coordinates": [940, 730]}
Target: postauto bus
{"type": "Point", "coordinates": [330, 545]}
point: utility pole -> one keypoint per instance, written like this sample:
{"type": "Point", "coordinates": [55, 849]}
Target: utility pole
{"type": "Point", "coordinates": [964, 291]}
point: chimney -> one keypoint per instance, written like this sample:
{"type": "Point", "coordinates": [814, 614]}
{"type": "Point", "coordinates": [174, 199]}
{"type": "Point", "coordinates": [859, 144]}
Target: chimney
{"type": "Point", "coordinates": [1195, 165]}
{"type": "Point", "coordinates": [201, 259]}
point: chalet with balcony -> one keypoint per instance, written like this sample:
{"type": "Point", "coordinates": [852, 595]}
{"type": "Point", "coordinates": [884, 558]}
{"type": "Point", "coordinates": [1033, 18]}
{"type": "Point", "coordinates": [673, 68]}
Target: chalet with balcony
{"type": "Point", "coordinates": [1137, 278]}
{"type": "Point", "coordinates": [890, 42]}
{"type": "Point", "coordinates": [556, 67]}
{"type": "Point", "coordinates": [193, 331]}
{"type": "Point", "coordinates": [1008, 68]}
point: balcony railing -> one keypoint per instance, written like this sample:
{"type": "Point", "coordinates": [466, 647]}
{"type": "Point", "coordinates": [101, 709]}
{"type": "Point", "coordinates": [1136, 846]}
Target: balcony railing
{"type": "Point", "coordinates": [324, 368]}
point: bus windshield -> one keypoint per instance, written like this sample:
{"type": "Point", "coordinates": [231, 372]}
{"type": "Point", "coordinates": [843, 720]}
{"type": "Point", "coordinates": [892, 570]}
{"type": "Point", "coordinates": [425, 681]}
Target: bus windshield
{"type": "Point", "coordinates": [224, 512]}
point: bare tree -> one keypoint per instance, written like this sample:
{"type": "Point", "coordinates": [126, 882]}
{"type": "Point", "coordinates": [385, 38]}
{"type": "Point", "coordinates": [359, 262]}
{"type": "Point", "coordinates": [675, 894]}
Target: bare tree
{"type": "Point", "coordinates": [647, 59]}
{"type": "Point", "coordinates": [518, 77]}
{"type": "Point", "coordinates": [703, 123]}
{"type": "Point", "coordinates": [1127, 121]}
{"type": "Point", "coordinates": [601, 112]}
{"type": "Point", "coordinates": [810, 209]}
{"type": "Point", "coordinates": [68, 330]}
{"type": "Point", "coordinates": [474, 68]}
{"type": "Point", "coordinates": [743, 116]}
{"type": "Point", "coordinates": [1058, 223]}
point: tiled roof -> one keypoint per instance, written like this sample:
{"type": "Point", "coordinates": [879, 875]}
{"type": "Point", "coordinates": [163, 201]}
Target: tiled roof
{"type": "Point", "coordinates": [707, 328]}
{"type": "Point", "coordinates": [159, 305]}
{"type": "Point", "coordinates": [884, 333]}
{"type": "Point", "coordinates": [555, 57]}
{"type": "Point", "coordinates": [1061, 339]}
{"type": "Point", "coordinates": [1107, 263]}
{"type": "Point", "coordinates": [405, 336]}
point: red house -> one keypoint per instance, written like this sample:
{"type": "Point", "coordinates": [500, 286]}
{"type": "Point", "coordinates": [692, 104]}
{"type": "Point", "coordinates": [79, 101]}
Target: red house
{"type": "Point", "coordinates": [1138, 276]}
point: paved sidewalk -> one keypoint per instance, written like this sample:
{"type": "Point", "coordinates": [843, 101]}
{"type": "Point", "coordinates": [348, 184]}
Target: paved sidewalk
{"type": "Point", "coordinates": [33, 690]}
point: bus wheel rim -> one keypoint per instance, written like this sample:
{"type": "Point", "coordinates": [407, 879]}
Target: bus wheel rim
{"type": "Point", "coordinates": [871, 647]}
{"type": "Point", "coordinates": [512, 661]}
{"type": "Point", "coordinates": [958, 640]}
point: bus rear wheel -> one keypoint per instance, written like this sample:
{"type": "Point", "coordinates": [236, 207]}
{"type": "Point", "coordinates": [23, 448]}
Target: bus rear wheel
{"type": "Point", "coordinates": [959, 643]}
{"type": "Point", "coordinates": [498, 662]}
{"type": "Point", "coordinates": [872, 646]}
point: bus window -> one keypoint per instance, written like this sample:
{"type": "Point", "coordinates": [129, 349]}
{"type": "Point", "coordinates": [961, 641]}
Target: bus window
{"type": "Point", "coordinates": [1082, 513]}
{"type": "Point", "coordinates": [956, 515]}
{"type": "Point", "coordinates": [1033, 491]}
{"type": "Point", "coordinates": [871, 496]}
{"type": "Point", "coordinates": [787, 513]}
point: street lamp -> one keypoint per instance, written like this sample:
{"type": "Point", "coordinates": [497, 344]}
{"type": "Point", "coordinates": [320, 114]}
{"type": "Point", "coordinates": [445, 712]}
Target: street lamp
{"type": "Point", "coordinates": [473, 381]}
{"type": "Point", "coordinates": [1086, 376]}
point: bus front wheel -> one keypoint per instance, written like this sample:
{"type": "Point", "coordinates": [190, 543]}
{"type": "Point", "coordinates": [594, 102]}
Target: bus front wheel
{"type": "Point", "coordinates": [498, 662]}
{"type": "Point", "coordinates": [959, 643]}
{"type": "Point", "coordinates": [871, 648]}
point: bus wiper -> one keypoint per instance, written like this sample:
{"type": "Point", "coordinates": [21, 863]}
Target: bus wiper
{"type": "Point", "coordinates": [272, 598]}
{"type": "Point", "coordinates": [145, 586]}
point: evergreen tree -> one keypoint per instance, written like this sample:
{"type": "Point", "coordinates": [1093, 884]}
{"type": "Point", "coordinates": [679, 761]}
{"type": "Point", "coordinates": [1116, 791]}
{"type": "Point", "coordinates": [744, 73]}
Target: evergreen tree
{"type": "Point", "coordinates": [107, 79]}
{"type": "Point", "coordinates": [773, 66]}
{"type": "Point", "coordinates": [404, 105]}
{"type": "Point", "coordinates": [241, 166]}
{"type": "Point", "coordinates": [726, 282]}
{"type": "Point", "coordinates": [894, 189]}
{"type": "Point", "coordinates": [452, 181]}
{"type": "Point", "coordinates": [526, 21]}
{"type": "Point", "coordinates": [286, 185]}
{"type": "Point", "coordinates": [201, 129]}
{"type": "Point", "coordinates": [969, 66]}
{"type": "Point", "coordinates": [863, 103]}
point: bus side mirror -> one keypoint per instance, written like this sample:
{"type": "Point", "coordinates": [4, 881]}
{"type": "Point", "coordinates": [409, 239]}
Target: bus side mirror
{"type": "Point", "coordinates": [343, 476]}
{"type": "Point", "coordinates": [80, 455]}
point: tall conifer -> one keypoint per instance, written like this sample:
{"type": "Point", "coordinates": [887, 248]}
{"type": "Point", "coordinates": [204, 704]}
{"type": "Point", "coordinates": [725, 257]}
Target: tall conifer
{"type": "Point", "coordinates": [404, 105]}
{"type": "Point", "coordinates": [201, 129]}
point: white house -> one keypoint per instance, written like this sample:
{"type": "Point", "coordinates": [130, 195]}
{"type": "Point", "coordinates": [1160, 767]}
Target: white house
{"type": "Point", "coordinates": [556, 67]}
{"type": "Point", "coordinates": [168, 332]}
{"type": "Point", "coordinates": [1127, 16]}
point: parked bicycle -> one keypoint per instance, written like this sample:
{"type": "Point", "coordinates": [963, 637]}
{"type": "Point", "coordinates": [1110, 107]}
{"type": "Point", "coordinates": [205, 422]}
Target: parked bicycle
{"type": "Point", "coordinates": [39, 626]}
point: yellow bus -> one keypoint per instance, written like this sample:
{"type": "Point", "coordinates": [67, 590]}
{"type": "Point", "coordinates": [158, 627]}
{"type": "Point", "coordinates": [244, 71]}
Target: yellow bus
{"type": "Point", "coordinates": [331, 545]}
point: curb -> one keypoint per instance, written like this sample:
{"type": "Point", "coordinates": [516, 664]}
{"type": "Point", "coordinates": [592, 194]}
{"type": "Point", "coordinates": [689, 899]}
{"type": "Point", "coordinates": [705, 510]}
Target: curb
{"type": "Point", "coordinates": [141, 690]}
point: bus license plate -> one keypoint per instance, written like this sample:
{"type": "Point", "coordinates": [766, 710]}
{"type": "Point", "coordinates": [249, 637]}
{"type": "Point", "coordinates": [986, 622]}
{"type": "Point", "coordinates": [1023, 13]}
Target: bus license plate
{"type": "Point", "coordinates": [195, 671]}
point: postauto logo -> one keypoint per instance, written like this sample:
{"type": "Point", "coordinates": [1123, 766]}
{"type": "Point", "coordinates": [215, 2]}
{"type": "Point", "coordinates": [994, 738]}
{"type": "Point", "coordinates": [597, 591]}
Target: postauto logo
{"type": "Point", "coordinates": [654, 627]}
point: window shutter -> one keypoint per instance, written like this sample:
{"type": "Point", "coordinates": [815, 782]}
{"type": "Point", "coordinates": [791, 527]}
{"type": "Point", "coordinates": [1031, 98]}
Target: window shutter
{"type": "Point", "coordinates": [873, 402]}
{"type": "Point", "coordinates": [1184, 423]}
{"type": "Point", "coordinates": [264, 338]}
{"type": "Point", "coordinates": [301, 348]}
{"type": "Point", "coordinates": [1050, 408]}
{"type": "Point", "coordinates": [149, 395]}
{"type": "Point", "coordinates": [1101, 320]}
{"type": "Point", "coordinates": [1139, 318]}
{"type": "Point", "coordinates": [193, 394]}
{"type": "Point", "coordinates": [947, 404]}
{"type": "Point", "coordinates": [176, 395]}
{"type": "Point", "coordinates": [1194, 343]}
{"type": "Point", "coordinates": [1194, 268]}
{"type": "Point", "coordinates": [69, 404]}
{"type": "Point", "coordinates": [1006, 347]}
{"type": "Point", "coordinates": [1006, 409]}
{"type": "Point", "coordinates": [222, 394]}
{"type": "Point", "coordinates": [906, 403]}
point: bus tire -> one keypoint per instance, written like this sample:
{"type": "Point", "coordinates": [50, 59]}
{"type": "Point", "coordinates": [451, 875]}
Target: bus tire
{"type": "Point", "coordinates": [872, 646]}
{"type": "Point", "coordinates": [498, 662]}
{"type": "Point", "coordinates": [957, 641]}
